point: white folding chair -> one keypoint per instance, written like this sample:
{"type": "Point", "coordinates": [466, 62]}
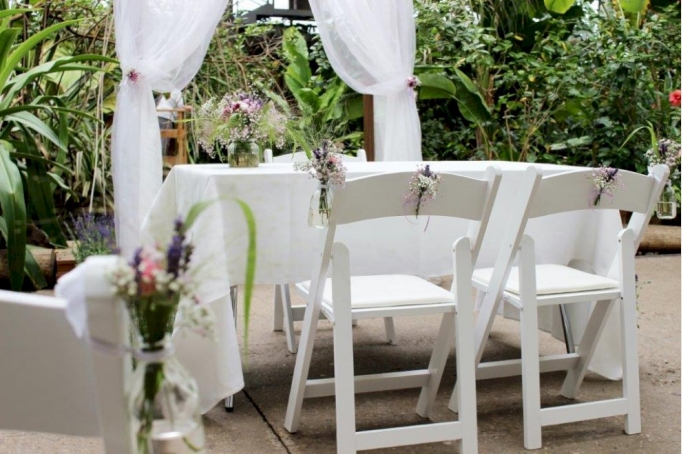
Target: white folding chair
{"type": "Point", "coordinates": [344, 298]}
{"type": "Point", "coordinates": [285, 313]}
{"type": "Point", "coordinates": [532, 285]}
{"type": "Point", "coordinates": [50, 379]}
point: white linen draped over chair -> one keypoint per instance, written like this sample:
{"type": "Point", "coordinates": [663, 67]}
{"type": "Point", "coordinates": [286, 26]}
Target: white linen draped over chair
{"type": "Point", "coordinates": [532, 285]}
{"type": "Point", "coordinates": [284, 313]}
{"type": "Point", "coordinates": [52, 381]}
{"type": "Point", "coordinates": [160, 46]}
{"type": "Point", "coordinates": [371, 45]}
{"type": "Point", "coordinates": [344, 298]}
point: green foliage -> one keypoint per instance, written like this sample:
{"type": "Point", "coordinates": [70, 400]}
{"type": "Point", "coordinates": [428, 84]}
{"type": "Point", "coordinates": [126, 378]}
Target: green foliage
{"type": "Point", "coordinates": [571, 93]}
{"type": "Point", "coordinates": [33, 126]}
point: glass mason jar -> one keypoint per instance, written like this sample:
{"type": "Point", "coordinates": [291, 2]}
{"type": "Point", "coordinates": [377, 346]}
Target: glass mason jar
{"type": "Point", "coordinates": [320, 207]}
{"type": "Point", "coordinates": [164, 403]}
{"type": "Point", "coordinates": [666, 208]}
{"type": "Point", "coordinates": [243, 154]}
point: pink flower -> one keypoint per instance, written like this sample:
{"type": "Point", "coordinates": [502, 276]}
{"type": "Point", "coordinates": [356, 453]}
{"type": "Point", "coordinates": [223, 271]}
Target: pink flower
{"type": "Point", "coordinates": [148, 269]}
{"type": "Point", "coordinates": [675, 98]}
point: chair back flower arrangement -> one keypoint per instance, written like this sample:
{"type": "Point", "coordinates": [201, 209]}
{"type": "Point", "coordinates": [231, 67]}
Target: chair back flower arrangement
{"type": "Point", "coordinates": [239, 117]}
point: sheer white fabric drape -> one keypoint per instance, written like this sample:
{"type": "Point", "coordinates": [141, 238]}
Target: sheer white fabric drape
{"type": "Point", "coordinates": [371, 45]}
{"type": "Point", "coordinates": [160, 45]}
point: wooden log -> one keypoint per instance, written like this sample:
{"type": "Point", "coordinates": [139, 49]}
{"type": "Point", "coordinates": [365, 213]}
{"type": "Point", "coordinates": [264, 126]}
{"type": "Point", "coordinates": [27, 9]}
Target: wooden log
{"type": "Point", "coordinates": [661, 238]}
{"type": "Point", "coordinates": [65, 261]}
{"type": "Point", "coordinates": [47, 261]}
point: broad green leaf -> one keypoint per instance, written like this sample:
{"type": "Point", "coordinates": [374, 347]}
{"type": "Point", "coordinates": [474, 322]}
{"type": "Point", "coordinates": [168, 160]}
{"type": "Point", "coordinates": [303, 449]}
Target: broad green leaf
{"type": "Point", "coordinates": [309, 99]}
{"type": "Point", "coordinates": [7, 38]}
{"type": "Point", "coordinates": [634, 6]}
{"type": "Point", "coordinates": [294, 44]}
{"type": "Point", "coordinates": [355, 108]}
{"type": "Point", "coordinates": [471, 103]}
{"type": "Point", "coordinates": [34, 123]}
{"type": "Point", "coordinates": [41, 199]}
{"type": "Point", "coordinates": [33, 271]}
{"type": "Point", "coordinates": [19, 155]}
{"type": "Point", "coordinates": [14, 59]}
{"type": "Point", "coordinates": [436, 86]}
{"type": "Point", "coordinates": [559, 6]}
{"type": "Point", "coordinates": [13, 209]}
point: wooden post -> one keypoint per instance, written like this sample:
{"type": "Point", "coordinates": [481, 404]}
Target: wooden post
{"type": "Point", "coordinates": [368, 126]}
{"type": "Point", "coordinates": [179, 133]}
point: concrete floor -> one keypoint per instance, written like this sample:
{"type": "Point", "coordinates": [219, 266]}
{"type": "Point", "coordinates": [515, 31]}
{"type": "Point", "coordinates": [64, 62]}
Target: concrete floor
{"type": "Point", "coordinates": [256, 424]}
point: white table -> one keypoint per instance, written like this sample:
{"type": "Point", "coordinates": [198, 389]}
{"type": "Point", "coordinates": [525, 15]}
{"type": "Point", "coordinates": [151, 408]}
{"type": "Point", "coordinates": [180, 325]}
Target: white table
{"type": "Point", "coordinates": [279, 198]}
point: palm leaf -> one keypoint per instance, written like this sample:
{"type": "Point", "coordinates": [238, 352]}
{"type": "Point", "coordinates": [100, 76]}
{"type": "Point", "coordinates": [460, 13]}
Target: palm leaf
{"type": "Point", "coordinates": [14, 212]}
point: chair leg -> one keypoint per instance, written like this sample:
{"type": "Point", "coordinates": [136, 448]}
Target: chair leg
{"type": "Point", "coordinates": [344, 381]}
{"type": "Point", "coordinates": [588, 344]}
{"type": "Point", "coordinates": [288, 318]}
{"type": "Point", "coordinates": [439, 357]}
{"type": "Point", "coordinates": [390, 330]}
{"type": "Point", "coordinates": [530, 348]}
{"type": "Point", "coordinates": [344, 374]}
{"type": "Point", "coordinates": [628, 316]}
{"type": "Point", "coordinates": [278, 316]}
{"type": "Point", "coordinates": [466, 379]}
{"type": "Point", "coordinates": [530, 371]}
{"type": "Point", "coordinates": [301, 369]}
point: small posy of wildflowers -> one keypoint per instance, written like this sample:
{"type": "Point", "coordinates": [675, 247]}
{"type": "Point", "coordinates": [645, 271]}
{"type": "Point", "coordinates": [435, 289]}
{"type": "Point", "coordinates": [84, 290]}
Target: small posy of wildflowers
{"type": "Point", "coordinates": [239, 117]}
{"type": "Point", "coordinates": [159, 276]}
{"type": "Point", "coordinates": [93, 235]}
{"type": "Point", "coordinates": [606, 180]}
{"type": "Point", "coordinates": [422, 188]}
{"type": "Point", "coordinates": [668, 153]}
{"type": "Point", "coordinates": [326, 165]}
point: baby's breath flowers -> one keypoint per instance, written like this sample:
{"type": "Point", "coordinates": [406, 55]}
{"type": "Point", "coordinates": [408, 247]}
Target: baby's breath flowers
{"type": "Point", "coordinates": [422, 188]}
{"type": "Point", "coordinates": [239, 117]}
{"type": "Point", "coordinates": [606, 180]}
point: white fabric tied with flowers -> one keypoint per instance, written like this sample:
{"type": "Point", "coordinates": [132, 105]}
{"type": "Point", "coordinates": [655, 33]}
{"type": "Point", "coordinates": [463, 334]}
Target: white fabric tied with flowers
{"type": "Point", "coordinates": [371, 45]}
{"type": "Point", "coordinates": [161, 45]}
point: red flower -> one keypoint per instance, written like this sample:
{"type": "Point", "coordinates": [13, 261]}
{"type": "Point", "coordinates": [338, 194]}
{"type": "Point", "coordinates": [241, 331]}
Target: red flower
{"type": "Point", "coordinates": [675, 98]}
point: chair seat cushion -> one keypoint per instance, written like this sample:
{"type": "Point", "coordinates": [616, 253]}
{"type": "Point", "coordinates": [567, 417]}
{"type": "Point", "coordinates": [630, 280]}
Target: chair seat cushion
{"type": "Point", "coordinates": [387, 290]}
{"type": "Point", "coordinates": [552, 279]}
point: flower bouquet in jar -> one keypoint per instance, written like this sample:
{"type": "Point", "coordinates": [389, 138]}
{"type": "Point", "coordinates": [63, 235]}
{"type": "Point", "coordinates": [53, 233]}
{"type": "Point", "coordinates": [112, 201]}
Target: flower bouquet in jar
{"type": "Point", "coordinates": [327, 167]}
{"type": "Point", "coordinates": [240, 123]}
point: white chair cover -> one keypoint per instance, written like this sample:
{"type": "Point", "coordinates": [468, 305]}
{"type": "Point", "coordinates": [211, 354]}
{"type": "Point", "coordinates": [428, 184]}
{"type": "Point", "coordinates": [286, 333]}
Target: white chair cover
{"type": "Point", "coordinates": [371, 45]}
{"type": "Point", "coordinates": [161, 45]}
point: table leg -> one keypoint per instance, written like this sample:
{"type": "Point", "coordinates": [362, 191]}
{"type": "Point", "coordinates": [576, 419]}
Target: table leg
{"type": "Point", "coordinates": [229, 400]}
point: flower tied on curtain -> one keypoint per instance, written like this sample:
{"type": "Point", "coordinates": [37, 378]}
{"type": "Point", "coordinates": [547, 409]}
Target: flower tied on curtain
{"type": "Point", "coordinates": [422, 188]}
{"type": "Point", "coordinates": [605, 180]}
{"type": "Point", "coordinates": [132, 76]}
{"type": "Point", "coordinates": [412, 83]}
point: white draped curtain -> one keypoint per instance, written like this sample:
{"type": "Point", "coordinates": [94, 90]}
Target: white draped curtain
{"type": "Point", "coordinates": [371, 45]}
{"type": "Point", "coordinates": [160, 45]}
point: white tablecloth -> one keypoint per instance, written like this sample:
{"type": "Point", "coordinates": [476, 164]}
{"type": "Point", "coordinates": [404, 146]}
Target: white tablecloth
{"type": "Point", "coordinates": [279, 198]}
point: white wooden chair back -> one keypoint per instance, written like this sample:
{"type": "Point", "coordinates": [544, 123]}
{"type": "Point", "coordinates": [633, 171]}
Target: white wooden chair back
{"type": "Point", "coordinates": [50, 380]}
{"type": "Point", "coordinates": [300, 156]}
{"type": "Point", "coordinates": [573, 191]}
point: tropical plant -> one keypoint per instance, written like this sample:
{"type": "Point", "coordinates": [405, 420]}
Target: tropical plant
{"type": "Point", "coordinates": [33, 119]}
